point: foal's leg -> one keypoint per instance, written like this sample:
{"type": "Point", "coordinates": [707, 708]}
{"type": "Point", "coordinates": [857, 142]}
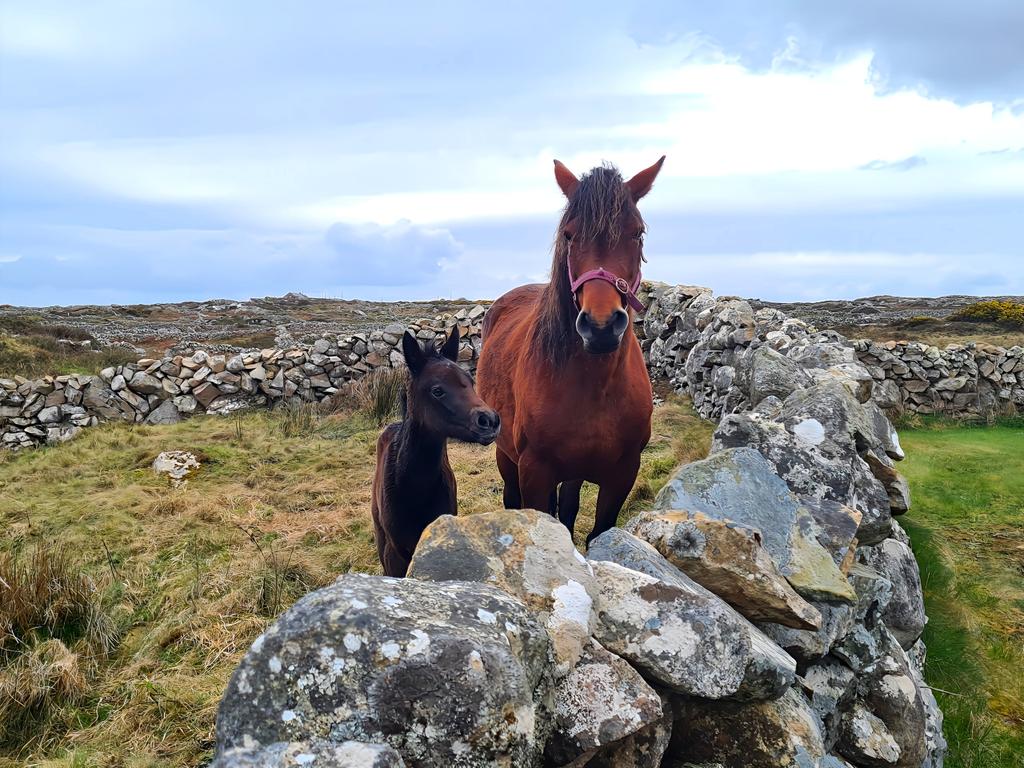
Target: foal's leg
{"type": "Point", "coordinates": [569, 503]}
{"type": "Point", "coordinates": [612, 496]}
{"type": "Point", "coordinates": [537, 482]}
{"type": "Point", "coordinates": [510, 476]}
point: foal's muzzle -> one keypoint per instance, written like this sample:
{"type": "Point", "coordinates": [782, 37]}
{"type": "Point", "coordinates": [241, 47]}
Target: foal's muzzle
{"type": "Point", "coordinates": [485, 425]}
{"type": "Point", "coordinates": [600, 339]}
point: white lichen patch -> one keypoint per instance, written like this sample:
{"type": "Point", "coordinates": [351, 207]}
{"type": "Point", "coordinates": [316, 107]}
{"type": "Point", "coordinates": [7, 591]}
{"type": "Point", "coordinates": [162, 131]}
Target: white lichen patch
{"type": "Point", "coordinates": [419, 644]}
{"type": "Point", "coordinates": [288, 715]}
{"type": "Point", "coordinates": [274, 664]}
{"type": "Point", "coordinates": [899, 686]}
{"type": "Point", "coordinates": [391, 601]}
{"type": "Point", "coordinates": [486, 616]}
{"type": "Point", "coordinates": [390, 650]}
{"type": "Point", "coordinates": [810, 432]}
{"type": "Point", "coordinates": [352, 642]}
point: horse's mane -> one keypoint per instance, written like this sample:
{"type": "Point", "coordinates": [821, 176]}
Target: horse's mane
{"type": "Point", "coordinates": [597, 206]}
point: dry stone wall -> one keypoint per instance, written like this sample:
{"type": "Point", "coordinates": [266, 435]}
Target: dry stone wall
{"type": "Point", "coordinates": [53, 409]}
{"type": "Point", "coordinates": [730, 356]}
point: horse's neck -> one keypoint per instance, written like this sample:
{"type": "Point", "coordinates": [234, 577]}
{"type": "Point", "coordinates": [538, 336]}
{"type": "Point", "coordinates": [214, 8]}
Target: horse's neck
{"type": "Point", "coordinates": [608, 367]}
{"type": "Point", "coordinates": [419, 454]}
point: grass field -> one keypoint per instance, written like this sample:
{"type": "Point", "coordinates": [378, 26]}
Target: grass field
{"type": "Point", "coordinates": [190, 576]}
{"type": "Point", "coordinates": [967, 528]}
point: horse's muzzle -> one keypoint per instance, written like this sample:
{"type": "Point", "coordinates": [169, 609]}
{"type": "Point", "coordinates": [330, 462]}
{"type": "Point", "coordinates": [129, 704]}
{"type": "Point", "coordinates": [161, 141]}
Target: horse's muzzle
{"type": "Point", "coordinates": [601, 339]}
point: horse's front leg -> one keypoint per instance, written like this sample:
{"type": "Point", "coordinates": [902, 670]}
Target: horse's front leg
{"type": "Point", "coordinates": [569, 503]}
{"type": "Point", "coordinates": [614, 491]}
{"type": "Point", "coordinates": [537, 482]}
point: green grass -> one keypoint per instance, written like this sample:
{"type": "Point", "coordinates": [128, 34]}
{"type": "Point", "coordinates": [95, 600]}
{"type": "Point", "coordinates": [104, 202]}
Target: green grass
{"type": "Point", "coordinates": [967, 528]}
{"type": "Point", "coordinates": [279, 507]}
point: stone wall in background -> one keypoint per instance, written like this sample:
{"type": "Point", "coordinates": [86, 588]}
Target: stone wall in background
{"type": "Point", "coordinates": [730, 357]}
{"type": "Point", "coordinates": [54, 408]}
{"type": "Point", "coordinates": [976, 380]}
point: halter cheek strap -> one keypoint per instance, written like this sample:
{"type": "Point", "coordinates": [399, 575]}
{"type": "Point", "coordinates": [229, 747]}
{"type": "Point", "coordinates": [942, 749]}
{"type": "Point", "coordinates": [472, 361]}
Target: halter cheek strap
{"type": "Point", "coordinates": [628, 291]}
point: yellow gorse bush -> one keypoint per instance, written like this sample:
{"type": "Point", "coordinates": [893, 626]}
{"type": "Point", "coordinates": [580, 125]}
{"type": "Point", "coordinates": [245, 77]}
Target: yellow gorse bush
{"type": "Point", "coordinates": [1004, 312]}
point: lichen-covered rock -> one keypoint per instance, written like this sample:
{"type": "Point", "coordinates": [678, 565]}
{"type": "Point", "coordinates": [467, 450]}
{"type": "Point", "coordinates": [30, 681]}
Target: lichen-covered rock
{"type": "Point", "coordinates": [837, 620]}
{"type": "Point", "coordinates": [888, 689]}
{"type": "Point", "coordinates": [311, 754]}
{"type": "Point", "coordinates": [643, 749]}
{"type": "Point", "coordinates": [866, 639]}
{"type": "Point", "coordinates": [726, 558]}
{"type": "Point", "coordinates": [177, 465]}
{"type": "Point", "coordinates": [528, 554]}
{"type": "Point", "coordinates": [451, 675]}
{"type": "Point", "coordinates": [830, 685]}
{"type": "Point", "coordinates": [740, 485]}
{"type": "Point", "coordinates": [837, 529]}
{"type": "Point", "coordinates": [935, 742]}
{"type": "Point", "coordinates": [778, 733]}
{"type": "Point", "coordinates": [771, 374]}
{"type": "Point", "coordinates": [865, 739]}
{"type": "Point", "coordinates": [685, 638]}
{"type": "Point", "coordinates": [816, 442]}
{"type": "Point", "coordinates": [601, 701]}
{"type": "Point", "coordinates": [904, 615]}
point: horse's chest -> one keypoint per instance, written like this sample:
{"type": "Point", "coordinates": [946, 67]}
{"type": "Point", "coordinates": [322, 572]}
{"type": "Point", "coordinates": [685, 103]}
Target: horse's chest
{"type": "Point", "coordinates": [596, 428]}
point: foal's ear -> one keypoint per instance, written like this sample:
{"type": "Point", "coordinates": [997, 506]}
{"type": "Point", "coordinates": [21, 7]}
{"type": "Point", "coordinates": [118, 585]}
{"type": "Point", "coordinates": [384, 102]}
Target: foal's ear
{"type": "Point", "coordinates": [566, 179]}
{"type": "Point", "coordinates": [450, 348]}
{"type": "Point", "coordinates": [641, 184]}
{"type": "Point", "coordinates": [415, 357]}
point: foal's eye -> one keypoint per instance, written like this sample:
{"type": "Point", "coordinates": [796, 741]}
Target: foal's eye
{"type": "Point", "coordinates": [437, 391]}
{"type": "Point", "coordinates": [567, 236]}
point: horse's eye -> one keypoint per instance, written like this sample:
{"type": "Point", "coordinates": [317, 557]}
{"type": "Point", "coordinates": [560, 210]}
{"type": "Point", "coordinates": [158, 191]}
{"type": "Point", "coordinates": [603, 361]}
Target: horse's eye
{"type": "Point", "coordinates": [437, 391]}
{"type": "Point", "coordinates": [567, 236]}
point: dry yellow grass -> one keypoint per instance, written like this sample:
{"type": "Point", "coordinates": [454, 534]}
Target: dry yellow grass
{"type": "Point", "coordinates": [277, 510]}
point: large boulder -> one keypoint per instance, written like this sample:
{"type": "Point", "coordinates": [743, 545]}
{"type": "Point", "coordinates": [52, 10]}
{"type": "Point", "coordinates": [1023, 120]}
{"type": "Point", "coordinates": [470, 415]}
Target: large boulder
{"type": "Point", "coordinates": [740, 485]}
{"type": "Point", "coordinates": [830, 685]}
{"type": "Point", "coordinates": [904, 615]}
{"type": "Point", "coordinates": [600, 702]}
{"type": "Point", "coordinates": [643, 749]}
{"type": "Point", "coordinates": [452, 675]}
{"type": "Point", "coordinates": [806, 455]}
{"type": "Point", "coordinates": [808, 645]}
{"type": "Point", "coordinates": [528, 554]}
{"type": "Point", "coordinates": [726, 558]}
{"type": "Point", "coordinates": [764, 734]}
{"type": "Point", "coordinates": [684, 638]}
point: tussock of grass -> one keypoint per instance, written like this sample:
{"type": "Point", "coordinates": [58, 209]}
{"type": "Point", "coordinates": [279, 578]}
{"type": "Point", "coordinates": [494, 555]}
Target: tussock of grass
{"type": "Point", "coordinates": [967, 530]}
{"type": "Point", "coordinates": [379, 394]}
{"type": "Point", "coordinates": [201, 570]}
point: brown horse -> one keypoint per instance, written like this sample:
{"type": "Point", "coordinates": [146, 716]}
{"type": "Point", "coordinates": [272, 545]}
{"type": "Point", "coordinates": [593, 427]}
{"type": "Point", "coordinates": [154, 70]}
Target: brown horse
{"type": "Point", "coordinates": [414, 484]}
{"type": "Point", "coordinates": [561, 364]}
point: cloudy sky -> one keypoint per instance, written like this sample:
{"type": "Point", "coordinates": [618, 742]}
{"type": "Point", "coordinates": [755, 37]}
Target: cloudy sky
{"type": "Point", "coordinates": [180, 150]}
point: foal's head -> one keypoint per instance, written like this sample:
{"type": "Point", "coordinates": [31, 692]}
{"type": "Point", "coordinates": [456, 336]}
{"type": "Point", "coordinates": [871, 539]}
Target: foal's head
{"type": "Point", "coordinates": [600, 241]}
{"type": "Point", "coordinates": [441, 395]}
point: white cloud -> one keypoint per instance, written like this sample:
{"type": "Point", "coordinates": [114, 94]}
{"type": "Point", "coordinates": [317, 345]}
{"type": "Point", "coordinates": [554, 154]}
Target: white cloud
{"type": "Point", "coordinates": [9, 258]}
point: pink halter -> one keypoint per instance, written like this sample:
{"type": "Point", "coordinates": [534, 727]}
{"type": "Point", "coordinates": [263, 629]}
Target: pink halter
{"type": "Point", "coordinates": [628, 291]}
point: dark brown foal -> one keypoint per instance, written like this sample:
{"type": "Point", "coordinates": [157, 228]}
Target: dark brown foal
{"type": "Point", "coordinates": [414, 483]}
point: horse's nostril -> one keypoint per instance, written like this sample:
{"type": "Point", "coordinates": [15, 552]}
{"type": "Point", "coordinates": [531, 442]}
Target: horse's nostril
{"type": "Point", "coordinates": [486, 420]}
{"type": "Point", "coordinates": [620, 321]}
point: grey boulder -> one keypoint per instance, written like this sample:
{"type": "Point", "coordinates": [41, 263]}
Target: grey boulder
{"type": "Point", "coordinates": [740, 485]}
{"type": "Point", "coordinates": [684, 638]}
{"type": "Point", "coordinates": [311, 754]}
{"type": "Point", "coordinates": [377, 660]}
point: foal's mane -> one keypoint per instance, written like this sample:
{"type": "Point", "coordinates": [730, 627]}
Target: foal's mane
{"type": "Point", "coordinates": [597, 207]}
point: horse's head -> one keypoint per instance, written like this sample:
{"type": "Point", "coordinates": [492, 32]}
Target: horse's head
{"type": "Point", "coordinates": [441, 395]}
{"type": "Point", "coordinates": [602, 237]}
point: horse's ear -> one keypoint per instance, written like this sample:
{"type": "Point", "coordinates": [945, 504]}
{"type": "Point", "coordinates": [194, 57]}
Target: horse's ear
{"type": "Point", "coordinates": [450, 348]}
{"type": "Point", "coordinates": [415, 358]}
{"type": "Point", "coordinates": [641, 184]}
{"type": "Point", "coordinates": [566, 179]}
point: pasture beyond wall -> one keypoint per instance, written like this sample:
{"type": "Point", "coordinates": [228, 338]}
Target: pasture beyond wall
{"type": "Point", "coordinates": [974, 380]}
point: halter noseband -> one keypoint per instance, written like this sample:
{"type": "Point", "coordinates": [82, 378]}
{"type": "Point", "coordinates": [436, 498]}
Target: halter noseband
{"type": "Point", "coordinates": [628, 291]}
